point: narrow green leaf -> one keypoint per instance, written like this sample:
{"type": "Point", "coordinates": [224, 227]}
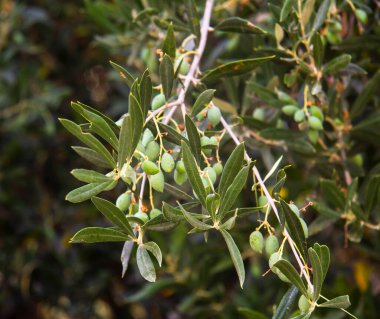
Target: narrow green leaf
{"type": "Point", "coordinates": [295, 228]}
{"type": "Point", "coordinates": [307, 11]}
{"type": "Point", "coordinates": [92, 156]}
{"type": "Point", "coordinates": [341, 302]}
{"type": "Point", "coordinates": [89, 140]}
{"type": "Point", "coordinates": [239, 25]}
{"type": "Point", "coordinates": [371, 193]}
{"type": "Point", "coordinates": [145, 264]}
{"type": "Point", "coordinates": [273, 169]}
{"type": "Point", "coordinates": [232, 167]}
{"type": "Point", "coordinates": [125, 142]}
{"type": "Point", "coordinates": [193, 136]}
{"type": "Point", "coordinates": [167, 75]}
{"type": "Point", "coordinates": [124, 74]}
{"type": "Point", "coordinates": [202, 101]}
{"type": "Point", "coordinates": [234, 68]}
{"type": "Point", "coordinates": [364, 97]}
{"type": "Point", "coordinates": [193, 173]}
{"type": "Point", "coordinates": [169, 44]}
{"type": "Point", "coordinates": [89, 176]}
{"type": "Point", "coordinates": [137, 122]}
{"type": "Point", "coordinates": [194, 21]}
{"type": "Point", "coordinates": [113, 214]}
{"type": "Point", "coordinates": [332, 194]}
{"type": "Point", "coordinates": [324, 257]}
{"type": "Point", "coordinates": [110, 122]}
{"type": "Point", "coordinates": [317, 273]}
{"type": "Point", "coordinates": [160, 223]}
{"type": "Point", "coordinates": [172, 135]}
{"type": "Point", "coordinates": [145, 92]}
{"type": "Point", "coordinates": [98, 124]}
{"type": "Point", "coordinates": [318, 50]}
{"type": "Point", "coordinates": [232, 192]}
{"type": "Point", "coordinates": [98, 235]}
{"type": "Point", "coordinates": [337, 64]}
{"type": "Point", "coordinates": [193, 221]}
{"type": "Point", "coordinates": [286, 304]}
{"type": "Point", "coordinates": [235, 256]}
{"type": "Point", "coordinates": [321, 15]}
{"type": "Point", "coordinates": [125, 256]}
{"type": "Point", "coordinates": [291, 273]}
{"type": "Point", "coordinates": [285, 10]}
{"type": "Point", "coordinates": [155, 250]}
{"type": "Point", "coordinates": [85, 192]}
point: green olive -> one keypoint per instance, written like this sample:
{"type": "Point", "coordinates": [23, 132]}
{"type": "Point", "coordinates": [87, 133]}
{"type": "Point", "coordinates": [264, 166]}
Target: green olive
{"type": "Point", "coordinates": [158, 101]}
{"type": "Point", "coordinates": [315, 123]}
{"type": "Point", "coordinates": [167, 162]}
{"type": "Point", "coordinates": [214, 115]}
{"type": "Point", "coordinates": [256, 241]}
{"type": "Point", "coordinates": [289, 109]}
{"type": "Point", "coordinates": [218, 168]}
{"type": "Point", "coordinates": [299, 116]}
{"type": "Point", "coordinates": [123, 201]}
{"type": "Point", "coordinates": [154, 213]}
{"type": "Point", "coordinates": [180, 167]}
{"type": "Point", "coordinates": [271, 245]}
{"type": "Point", "coordinates": [157, 181]}
{"type": "Point", "coordinates": [149, 167]}
{"type": "Point", "coordinates": [303, 304]}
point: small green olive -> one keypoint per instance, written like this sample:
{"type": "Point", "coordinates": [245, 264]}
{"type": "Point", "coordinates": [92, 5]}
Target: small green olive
{"type": "Point", "coordinates": [154, 213]}
{"type": "Point", "coordinates": [214, 115]}
{"type": "Point", "coordinates": [218, 168]}
{"type": "Point", "coordinates": [152, 150]}
{"type": "Point", "coordinates": [256, 241]}
{"type": "Point", "coordinates": [271, 245]}
{"type": "Point", "coordinates": [167, 162]}
{"type": "Point", "coordinates": [299, 116]}
{"type": "Point", "coordinates": [158, 101]}
{"type": "Point", "coordinates": [303, 304]}
{"type": "Point", "coordinates": [149, 167]}
{"type": "Point", "coordinates": [157, 181]}
{"type": "Point", "coordinates": [315, 123]}
{"type": "Point", "coordinates": [123, 201]}
{"type": "Point", "coordinates": [289, 109]}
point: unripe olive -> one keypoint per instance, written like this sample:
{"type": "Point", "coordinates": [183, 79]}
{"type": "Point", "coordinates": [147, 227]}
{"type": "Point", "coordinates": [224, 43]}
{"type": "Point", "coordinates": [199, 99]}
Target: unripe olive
{"type": "Point", "coordinates": [184, 68]}
{"type": "Point", "coordinates": [179, 177]}
{"type": "Point", "coordinates": [128, 174]}
{"type": "Point", "coordinates": [142, 216]}
{"type": "Point", "coordinates": [181, 167]}
{"type": "Point", "coordinates": [316, 111]}
{"type": "Point", "coordinates": [275, 257]}
{"type": "Point", "coordinates": [271, 245]}
{"type": "Point", "coordinates": [205, 140]}
{"type": "Point", "coordinates": [158, 101]}
{"type": "Point", "coordinates": [140, 148]}
{"type": "Point", "coordinates": [263, 200]}
{"type": "Point", "coordinates": [206, 182]}
{"type": "Point", "coordinates": [333, 37]}
{"type": "Point", "coordinates": [149, 167]}
{"type": "Point", "coordinates": [256, 241]}
{"type": "Point", "coordinates": [152, 150]}
{"type": "Point", "coordinates": [289, 109]}
{"type": "Point", "coordinates": [218, 168]}
{"type": "Point", "coordinates": [154, 213]}
{"type": "Point", "coordinates": [315, 123]}
{"type": "Point", "coordinates": [295, 209]}
{"type": "Point", "coordinates": [299, 116]}
{"type": "Point", "coordinates": [304, 228]}
{"type": "Point", "coordinates": [135, 208]}
{"type": "Point", "coordinates": [211, 174]}
{"type": "Point", "coordinates": [303, 304]}
{"type": "Point", "coordinates": [259, 114]}
{"type": "Point", "coordinates": [200, 116]}
{"type": "Point", "coordinates": [147, 137]}
{"type": "Point", "coordinates": [361, 15]}
{"type": "Point", "coordinates": [214, 141]}
{"type": "Point", "coordinates": [123, 201]}
{"type": "Point", "coordinates": [167, 162]}
{"type": "Point", "coordinates": [214, 115]}
{"type": "Point", "coordinates": [157, 182]}
{"type": "Point", "coordinates": [358, 159]}
{"type": "Point", "coordinates": [313, 136]}
{"type": "Point", "coordinates": [282, 276]}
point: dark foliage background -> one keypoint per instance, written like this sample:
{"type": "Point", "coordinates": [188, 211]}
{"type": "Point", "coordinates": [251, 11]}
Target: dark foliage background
{"type": "Point", "coordinates": [48, 57]}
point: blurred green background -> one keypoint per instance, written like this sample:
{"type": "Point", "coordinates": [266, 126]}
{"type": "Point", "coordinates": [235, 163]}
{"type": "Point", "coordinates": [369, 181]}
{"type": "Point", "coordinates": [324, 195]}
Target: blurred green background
{"type": "Point", "coordinates": [48, 57]}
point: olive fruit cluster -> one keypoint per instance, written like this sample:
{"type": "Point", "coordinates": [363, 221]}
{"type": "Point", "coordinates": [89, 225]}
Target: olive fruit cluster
{"type": "Point", "coordinates": [313, 119]}
{"type": "Point", "coordinates": [258, 243]}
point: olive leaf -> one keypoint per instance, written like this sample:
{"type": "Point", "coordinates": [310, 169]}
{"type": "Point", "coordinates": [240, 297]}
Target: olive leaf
{"type": "Point", "coordinates": [193, 136]}
{"type": "Point", "coordinates": [124, 74]}
{"type": "Point", "coordinates": [98, 235]}
{"type": "Point", "coordinates": [87, 191]}
{"type": "Point", "coordinates": [239, 25]}
{"type": "Point", "coordinates": [202, 101]}
{"type": "Point", "coordinates": [167, 75]}
{"type": "Point", "coordinates": [286, 303]}
{"type": "Point", "coordinates": [145, 264]}
{"type": "Point", "coordinates": [89, 176]}
{"type": "Point", "coordinates": [342, 302]}
{"type": "Point", "coordinates": [291, 273]}
{"type": "Point", "coordinates": [169, 44]}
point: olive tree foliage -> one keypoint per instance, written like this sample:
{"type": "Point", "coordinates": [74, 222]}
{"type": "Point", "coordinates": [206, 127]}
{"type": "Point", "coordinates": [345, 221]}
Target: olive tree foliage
{"type": "Point", "coordinates": [171, 136]}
